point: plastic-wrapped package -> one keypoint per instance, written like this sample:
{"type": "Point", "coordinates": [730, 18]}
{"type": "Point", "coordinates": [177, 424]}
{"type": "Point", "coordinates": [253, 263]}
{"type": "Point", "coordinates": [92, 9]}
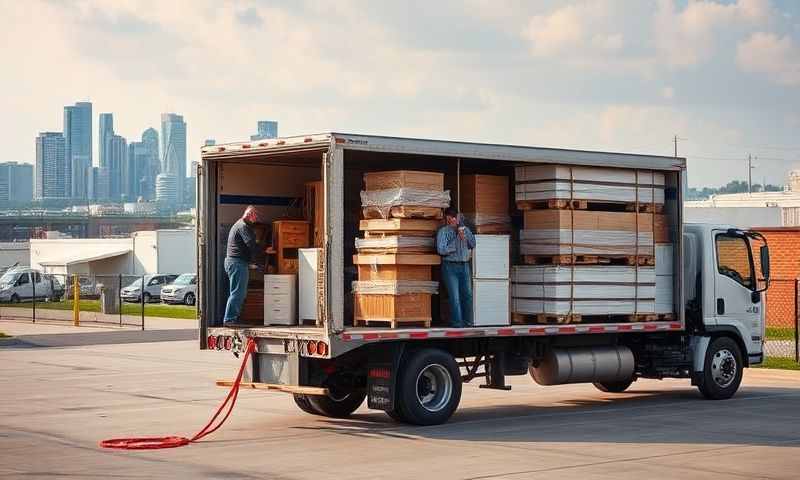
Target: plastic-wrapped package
{"type": "Point", "coordinates": [384, 201]}
{"type": "Point", "coordinates": [395, 244]}
{"type": "Point", "coordinates": [395, 287]}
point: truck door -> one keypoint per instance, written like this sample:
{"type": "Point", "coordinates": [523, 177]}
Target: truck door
{"type": "Point", "coordinates": [738, 304]}
{"type": "Point", "coordinates": [23, 287]}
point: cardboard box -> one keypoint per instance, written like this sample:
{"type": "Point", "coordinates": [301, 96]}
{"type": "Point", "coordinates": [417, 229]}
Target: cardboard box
{"type": "Point", "coordinates": [394, 272]}
{"type": "Point", "coordinates": [401, 226]}
{"type": "Point", "coordinates": [398, 259]}
{"type": "Point", "coordinates": [484, 194]}
{"type": "Point", "coordinates": [404, 179]}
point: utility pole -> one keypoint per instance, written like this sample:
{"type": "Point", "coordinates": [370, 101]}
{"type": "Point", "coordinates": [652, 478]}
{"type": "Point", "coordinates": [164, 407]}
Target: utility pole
{"type": "Point", "coordinates": [750, 174]}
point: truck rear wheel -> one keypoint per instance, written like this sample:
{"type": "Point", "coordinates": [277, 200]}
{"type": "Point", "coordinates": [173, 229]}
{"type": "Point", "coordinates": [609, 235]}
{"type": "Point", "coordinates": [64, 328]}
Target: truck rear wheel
{"type": "Point", "coordinates": [337, 404]}
{"type": "Point", "coordinates": [613, 387]}
{"type": "Point", "coordinates": [722, 371]}
{"type": "Point", "coordinates": [429, 387]}
{"type": "Point", "coordinates": [304, 404]}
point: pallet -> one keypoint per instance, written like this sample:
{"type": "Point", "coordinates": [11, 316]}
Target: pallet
{"type": "Point", "coordinates": [405, 211]}
{"type": "Point", "coordinates": [605, 206]}
{"type": "Point", "coordinates": [641, 260]}
{"type": "Point", "coordinates": [650, 317]}
{"type": "Point", "coordinates": [398, 233]}
{"type": "Point", "coordinates": [393, 322]}
{"type": "Point", "coordinates": [397, 250]}
{"type": "Point", "coordinates": [544, 318]}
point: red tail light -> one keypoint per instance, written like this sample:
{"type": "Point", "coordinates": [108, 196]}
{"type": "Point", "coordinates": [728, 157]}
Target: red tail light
{"type": "Point", "coordinates": [211, 342]}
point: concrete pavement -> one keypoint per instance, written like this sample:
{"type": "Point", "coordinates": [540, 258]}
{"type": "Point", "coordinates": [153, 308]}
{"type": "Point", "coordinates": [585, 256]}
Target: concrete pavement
{"type": "Point", "coordinates": [58, 402]}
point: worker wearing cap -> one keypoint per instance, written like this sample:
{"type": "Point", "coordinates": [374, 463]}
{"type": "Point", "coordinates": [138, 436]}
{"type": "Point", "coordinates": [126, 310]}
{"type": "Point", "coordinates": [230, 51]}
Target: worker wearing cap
{"type": "Point", "coordinates": [454, 242]}
{"type": "Point", "coordinates": [242, 250]}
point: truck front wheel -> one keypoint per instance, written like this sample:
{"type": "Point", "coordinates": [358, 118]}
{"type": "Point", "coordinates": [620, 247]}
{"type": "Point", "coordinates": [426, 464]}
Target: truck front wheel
{"type": "Point", "coordinates": [722, 372]}
{"type": "Point", "coordinates": [337, 404]}
{"type": "Point", "coordinates": [430, 387]}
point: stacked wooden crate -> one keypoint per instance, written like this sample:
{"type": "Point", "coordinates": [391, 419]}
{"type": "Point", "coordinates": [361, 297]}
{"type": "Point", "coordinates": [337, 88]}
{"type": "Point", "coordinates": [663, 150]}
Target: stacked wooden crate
{"type": "Point", "coordinates": [484, 202]}
{"type": "Point", "coordinates": [402, 211]}
{"type": "Point", "coordinates": [589, 244]}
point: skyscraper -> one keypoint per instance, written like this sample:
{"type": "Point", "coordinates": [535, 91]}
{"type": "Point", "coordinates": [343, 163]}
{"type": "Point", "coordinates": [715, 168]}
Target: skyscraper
{"type": "Point", "coordinates": [173, 150]}
{"type": "Point", "coordinates": [266, 129]}
{"type": "Point", "coordinates": [117, 154]}
{"type": "Point", "coordinates": [153, 168]}
{"type": "Point", "coordinates": [210, 142]}
{"type": "Point", "coordinates": [78, 146]}
{"type": "Point", "coordinates": [16, 183]}
{"type": "Point", "coordinates": [134, 173]}
{"type": "Point", "coordinates": [106, 132]}
{"type": "Point", "coordinates": [97, 184]}
{"type": "Point", "coordinates": [52, 181]}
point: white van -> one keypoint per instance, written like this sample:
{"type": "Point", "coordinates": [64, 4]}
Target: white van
{"type": "Point", "coordinates": [20, 284]}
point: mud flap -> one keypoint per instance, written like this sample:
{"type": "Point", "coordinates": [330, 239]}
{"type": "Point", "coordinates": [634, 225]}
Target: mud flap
{"type": "Point", "coordinates": [382, 370]}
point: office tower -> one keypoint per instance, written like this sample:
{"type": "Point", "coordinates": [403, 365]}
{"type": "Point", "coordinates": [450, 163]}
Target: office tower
{"type": "Point", "coordinates": [97, 184]}
{"type": "Point", "coordinates": [210, 142]}
{"type": "Point", "coordinates": [117, 155]}
{"type": "Point", "coordinates": [78, 146]}
{"type": "Point", "coordinates": [167, 189]}
{"type": "Point", "coordinates": [193, 169]}
{"type": "Point", "coordinates": [16, 183]}
{"type": "Point", "coordinates": [135, 172]}
{"type": "Point", "coordinates": [51, 167]}
{"type": "Point", "coordinates": [173, 150]}
{"type": "Point", "coordinates": [153, 168]}
{"type": "Point", "coordinates": [106, 132]}
{"type": "Point", "coordinates": [266, 129]}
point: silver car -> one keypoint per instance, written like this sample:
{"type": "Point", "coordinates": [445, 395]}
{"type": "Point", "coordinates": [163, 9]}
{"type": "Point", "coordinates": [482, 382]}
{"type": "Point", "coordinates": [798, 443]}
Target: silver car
{"type": "Point", "coordinates": [152, 288]}
{"type": "Point", "coordinates": [182, 290]}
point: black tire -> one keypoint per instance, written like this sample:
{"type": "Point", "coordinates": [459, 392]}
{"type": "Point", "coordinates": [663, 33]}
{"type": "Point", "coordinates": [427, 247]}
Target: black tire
{"type": "Point", "coordinates": [429, 387]}
{"type": "Point", "coordinates": [722, 370]}
{"type": "Point", "coordinates": [147, 297]}
{"type": "Point", "coordinates": [302, 401]}
{"type": "Point", "coordinates": [337, 405]}
{"type": "Point", "coordinates": [613, 387]}
{"type": "Point", "coordinates": [189, 299]}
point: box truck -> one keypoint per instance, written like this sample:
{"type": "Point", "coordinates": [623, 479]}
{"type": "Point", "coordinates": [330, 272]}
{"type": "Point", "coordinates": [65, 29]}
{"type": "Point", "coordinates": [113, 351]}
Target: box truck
{"type": "Point", "coordinates": [415, 374]}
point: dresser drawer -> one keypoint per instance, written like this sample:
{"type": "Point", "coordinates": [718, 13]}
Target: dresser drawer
{"type": "Point", "coordinates": [283, 281]}
{"type": "Point", "coordinates": [278, 300]}
{"type": "Point", "coordinates": [278, 313]}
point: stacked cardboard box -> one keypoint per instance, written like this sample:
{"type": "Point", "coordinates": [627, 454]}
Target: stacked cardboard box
{"type": "Point", "coordinates": [590, 242]}
{"type": "Point", "coordinates": [402, 211]}
{"type": "Point", "coordinates": [484, 203]}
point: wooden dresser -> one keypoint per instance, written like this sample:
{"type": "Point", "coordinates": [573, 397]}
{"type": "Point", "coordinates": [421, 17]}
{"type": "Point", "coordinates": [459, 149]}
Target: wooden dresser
{"type": "Point", "coordinates": [287, 237]}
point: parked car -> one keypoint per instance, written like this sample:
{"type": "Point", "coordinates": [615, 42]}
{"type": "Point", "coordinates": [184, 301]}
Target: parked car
{"type": "Point", "coordinates": [58, 288]}
{"type": "Point", "coordinates": [21, 284]}
{"type": "Point", "coordinates": [152, 288]}
{"type": "Point", "coordinates": [182, 290]}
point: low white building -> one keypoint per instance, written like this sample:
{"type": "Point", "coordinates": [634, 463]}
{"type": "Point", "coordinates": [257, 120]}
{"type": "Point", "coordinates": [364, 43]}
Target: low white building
{"type": "Point", "coordinates": [158, 251]}
{"type": "Point", "coordinates": [14, 253]}
{"type": "Point", "coordinates": [761, 209]}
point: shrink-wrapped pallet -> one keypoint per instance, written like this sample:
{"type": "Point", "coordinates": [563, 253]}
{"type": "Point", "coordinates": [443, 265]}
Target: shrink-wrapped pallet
{"type": "Point", "coordinates": [396, 244]}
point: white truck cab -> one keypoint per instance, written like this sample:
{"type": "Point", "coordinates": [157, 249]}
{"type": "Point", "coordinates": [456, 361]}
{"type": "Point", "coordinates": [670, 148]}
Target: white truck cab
{"type": "Point", "coordinates": [726, 271]}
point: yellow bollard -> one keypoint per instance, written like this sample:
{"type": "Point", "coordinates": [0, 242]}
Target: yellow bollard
{"type": "Point", "coordinates": [76, 307]}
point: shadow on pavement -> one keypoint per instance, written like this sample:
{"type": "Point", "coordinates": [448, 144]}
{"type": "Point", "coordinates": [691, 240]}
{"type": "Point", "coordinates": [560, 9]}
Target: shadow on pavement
{"type": "Point", "coordinates": [98, 338]}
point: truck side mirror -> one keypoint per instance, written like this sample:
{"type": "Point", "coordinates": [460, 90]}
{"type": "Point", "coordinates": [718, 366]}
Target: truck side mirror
{"type": "Point", "coordinates": [764, 252]}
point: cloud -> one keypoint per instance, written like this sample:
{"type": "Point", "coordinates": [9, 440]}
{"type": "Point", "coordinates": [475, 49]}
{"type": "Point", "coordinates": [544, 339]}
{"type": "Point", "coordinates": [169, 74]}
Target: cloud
{"type": "Point", "coordinates": [572, 28]}
{"type": "Point", "coordinates": [767, 53]}
{"type": "Point", "coordinates": [687, 37]}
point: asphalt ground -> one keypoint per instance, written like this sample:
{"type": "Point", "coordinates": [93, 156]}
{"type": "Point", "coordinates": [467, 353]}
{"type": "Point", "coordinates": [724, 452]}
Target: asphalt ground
{"type": "Point", "coordinates": [59, 401]}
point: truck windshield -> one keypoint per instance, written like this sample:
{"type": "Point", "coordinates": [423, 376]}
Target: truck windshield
{"type": "Point", "coordinates": [9, 277]}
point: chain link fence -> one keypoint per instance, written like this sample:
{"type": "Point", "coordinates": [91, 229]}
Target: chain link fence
{"type": "Point", "coordinates": [122, 300]}
{"type": "Point", "coordinates": [783, 311]}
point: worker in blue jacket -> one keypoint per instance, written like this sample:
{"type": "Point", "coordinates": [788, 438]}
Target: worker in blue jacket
{"type": "Point", "coordinates": [455, 242]}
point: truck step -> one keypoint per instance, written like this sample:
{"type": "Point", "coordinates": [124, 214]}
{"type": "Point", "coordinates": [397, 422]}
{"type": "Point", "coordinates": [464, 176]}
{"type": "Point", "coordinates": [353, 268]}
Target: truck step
{"type": "Point", "coordinates": [277, 388]}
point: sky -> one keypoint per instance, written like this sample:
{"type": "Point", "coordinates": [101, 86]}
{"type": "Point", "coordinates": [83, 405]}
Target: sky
{"type": "Point", "coordinates": [724, 76]}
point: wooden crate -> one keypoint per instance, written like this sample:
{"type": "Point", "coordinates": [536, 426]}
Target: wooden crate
{"type": "Point", "coordinates": [404, 179]}
{"type": "Point", "coordinates": [287, 237]}
{"type": "Point", "coordinates": [484, 194]}
{"type": "Point", "coordinates": [398, 259]}
{"type": "Point", "coordinates": [393, 310]}
{"type": "Point", "coordinates": [252, 312]}
{"type": "Point", "coordinates": [404, 211]}
{"type": "Point", "coordinates": [401, 226]}
{"type": "Point", "coordinates": [595, 220]}
{"type": "Point", "coordinates": [394, 272]}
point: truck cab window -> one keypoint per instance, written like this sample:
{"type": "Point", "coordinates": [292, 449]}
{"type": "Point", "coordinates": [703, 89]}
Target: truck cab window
{"type": "Point", "coordinates": [733, 259]}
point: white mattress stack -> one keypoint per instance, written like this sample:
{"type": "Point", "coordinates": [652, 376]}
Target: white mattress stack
{"type": "Point", "coordinates": [490, 271]}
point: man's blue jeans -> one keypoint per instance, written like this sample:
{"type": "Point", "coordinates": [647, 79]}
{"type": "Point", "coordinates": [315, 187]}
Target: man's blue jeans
{"type": "Point", "coordinates": [458, 281]}
{"type": "Point", "coordinates": [238, 275]}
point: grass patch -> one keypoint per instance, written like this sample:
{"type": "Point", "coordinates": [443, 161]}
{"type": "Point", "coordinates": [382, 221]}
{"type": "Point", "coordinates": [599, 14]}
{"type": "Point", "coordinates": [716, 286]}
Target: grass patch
{"type": "Point", "coordinates": [150, 309]}
{"type": "Point", "coordinates": [781, 363]}
{"type": "Point", "coordinates": [780, 333]}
